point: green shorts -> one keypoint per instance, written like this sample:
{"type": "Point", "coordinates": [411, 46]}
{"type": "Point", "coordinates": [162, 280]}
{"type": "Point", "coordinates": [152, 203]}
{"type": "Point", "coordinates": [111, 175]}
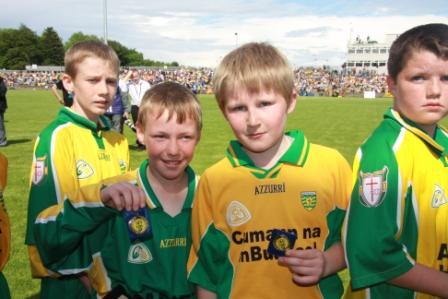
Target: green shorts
{"type": "Point", "coordinates": [69, 288]}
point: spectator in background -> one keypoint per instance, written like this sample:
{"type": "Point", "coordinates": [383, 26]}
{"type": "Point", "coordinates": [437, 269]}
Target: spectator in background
{"type": "Point", "coordinates": [136, 90]}
{"type": "Point", "coordinates": [67, 98]}
{"type": "Point", "coordinates": [117, 112]}
{"type": "Point", "coordinates": [3, 107]}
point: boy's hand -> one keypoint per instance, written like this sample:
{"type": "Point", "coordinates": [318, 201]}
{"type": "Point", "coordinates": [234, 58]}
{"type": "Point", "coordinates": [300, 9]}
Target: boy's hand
{"type": "Point", "coordinates": [307, 266]}
{"type": "Point", "coordinates": [123, 196]}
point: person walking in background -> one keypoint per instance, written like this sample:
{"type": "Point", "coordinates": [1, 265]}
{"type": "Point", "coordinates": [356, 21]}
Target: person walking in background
{"type": "Point", "coordinates": [117, 111]}
{"type": "Point", "coordinates": [3, 107]}
{"type": "Point", "coordinates": [67, 98]}
{"type": "Point", "coordinates": [136, 90]}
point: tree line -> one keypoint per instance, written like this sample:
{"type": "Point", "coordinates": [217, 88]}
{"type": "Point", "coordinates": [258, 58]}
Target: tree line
{"type": "Point", "coordinates": [22, 46]}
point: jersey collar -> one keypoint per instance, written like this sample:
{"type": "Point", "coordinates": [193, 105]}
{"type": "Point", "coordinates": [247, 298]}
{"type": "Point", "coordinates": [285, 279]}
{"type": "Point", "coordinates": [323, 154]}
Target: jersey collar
{"type": "Point", "coordinates": [295, 155]}
{"type": "Point", "coordinates": [440, 141]}
{"type": "Point", "coordinates": [103, 122]}
{"type": "Point", "coordinates": [152, 199]}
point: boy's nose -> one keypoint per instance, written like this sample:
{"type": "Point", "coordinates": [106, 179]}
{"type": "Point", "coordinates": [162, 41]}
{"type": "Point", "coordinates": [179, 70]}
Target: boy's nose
{"type": "Point", "coordinates": [103, 87]}
{"type": "Point", "coordinates": [173, 147]}
{"type": "Point", "coordinates": [252, 118]}
{"type": "Point", "coordinates": [433, 89]}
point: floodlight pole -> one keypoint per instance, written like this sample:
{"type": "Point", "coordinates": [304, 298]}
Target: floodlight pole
{"type": "Point", "coordinates": [105, 20]}
{"type": "Point", "coordinates": [236, 39]}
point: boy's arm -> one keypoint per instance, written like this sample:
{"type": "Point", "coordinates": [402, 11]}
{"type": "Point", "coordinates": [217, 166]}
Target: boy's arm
{"type": "Point", "coordinates": [425, 280]}
{"type": "Point", "coordinates": [204, 294]}
{"type": "Point", "coordinates": [60, 229]}
{"type": "Point", "coordinates": [55, 92]}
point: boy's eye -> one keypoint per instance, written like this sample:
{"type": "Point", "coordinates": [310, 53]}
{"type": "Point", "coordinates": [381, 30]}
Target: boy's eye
{"type": "Point", "coordinates": [417, 78]}
{"type": "Point", "coordinates": [444, 78]}
{"type": "Point", "coordinates": [265, 103]}
{"type": "Point", "coordinates": [237, 108]}
{"type": "Point", "coordinates": [111, 82]}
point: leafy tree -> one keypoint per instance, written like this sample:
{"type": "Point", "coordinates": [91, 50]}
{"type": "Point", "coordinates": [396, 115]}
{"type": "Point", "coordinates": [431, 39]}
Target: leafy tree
{"type": "Point", "coordinates": [28, 41]}
{"type": "Point", "coordinates": [135, 58]}
{"type": "Point", "coordinates": [121, 51]}
{"type": "Point", "coordinates": [79, 37]}
{"type": "Point", "coordinates": [15, 59]}
{"type": "Point", "coordinates": [51, 47]}
{"type": "Point", "coordinates": [7, 41]}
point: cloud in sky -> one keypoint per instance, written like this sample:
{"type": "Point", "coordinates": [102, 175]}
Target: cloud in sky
{"type": "Point", "coordinates": [200, 33]}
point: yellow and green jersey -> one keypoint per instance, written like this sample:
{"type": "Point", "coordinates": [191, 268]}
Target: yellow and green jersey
{"type": "Point", "coordinates": [238, 205]}
{"type": "Point", "coordinates": [153, 267]}
{"type": "Point", "coordinates": [69, 153]}
{"type": "Point", "coordinates": [398, 213]}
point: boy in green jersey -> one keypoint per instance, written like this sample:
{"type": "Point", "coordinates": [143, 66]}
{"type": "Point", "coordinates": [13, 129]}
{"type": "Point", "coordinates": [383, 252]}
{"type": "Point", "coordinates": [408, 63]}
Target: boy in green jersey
{"type": "Point", "coordinates": [268, 180]}
{"type": "Point", "coordinates": [76, 149]}
{"type": "Point", "coordinates": [397, 224]}
{"type": "Point", "coordinates": [140, 236]}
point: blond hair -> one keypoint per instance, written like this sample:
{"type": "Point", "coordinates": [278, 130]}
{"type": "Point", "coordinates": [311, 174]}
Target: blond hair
{"type": "Point", "coordinates": [80, 51]}
{"type": "Point", "coordinates": [174, 98]}
{"type": "Point", "coordinates": [253, 66]}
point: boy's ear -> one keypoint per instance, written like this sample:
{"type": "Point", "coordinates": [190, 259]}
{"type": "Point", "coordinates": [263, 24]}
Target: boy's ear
{"type": "Point", "coordinates": [67, 81]}
{"type": "Point", "coordinates": [292, 101]}
{"type": "Point", "coordinates": [391, 85]}
{"type": "Point", "coordinates": [140, 133]}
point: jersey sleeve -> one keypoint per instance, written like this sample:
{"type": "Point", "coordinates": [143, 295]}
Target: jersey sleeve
{"type": "Point", "coordinates": [61, 231]}
{"type": "Point", "coordinates": [52, 172]}
{"type": "Point", "coordinates": [342, 185]}
{"type": "Point", "coordinates": [208, 264]}
{"type": "Point", "coordinates": [374, 251]}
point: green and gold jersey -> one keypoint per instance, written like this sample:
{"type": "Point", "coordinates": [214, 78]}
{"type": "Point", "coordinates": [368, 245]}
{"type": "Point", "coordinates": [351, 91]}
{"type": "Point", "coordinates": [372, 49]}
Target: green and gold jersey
{"type": "Point", "coordinates": [70, 153]}
{"type": "Point", "coordinates": [238, 205]}
{"type": "Point", "coordinates": [398, 213]}
{"type": "Point", "coordinates": [154, 267]}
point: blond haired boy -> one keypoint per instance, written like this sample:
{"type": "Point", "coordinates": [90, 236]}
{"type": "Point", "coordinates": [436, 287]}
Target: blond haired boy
{"type": "Point", "coordinates": [76, 149]}
{"type": "Point", "coordinates": [268, 180]}
{"type": "Point", "coordinates": [140, 236]}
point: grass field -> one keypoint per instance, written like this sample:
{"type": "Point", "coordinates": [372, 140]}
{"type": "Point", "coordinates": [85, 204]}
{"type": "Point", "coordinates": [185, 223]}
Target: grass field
{"type": "Point", "coordinates": [339, 123]}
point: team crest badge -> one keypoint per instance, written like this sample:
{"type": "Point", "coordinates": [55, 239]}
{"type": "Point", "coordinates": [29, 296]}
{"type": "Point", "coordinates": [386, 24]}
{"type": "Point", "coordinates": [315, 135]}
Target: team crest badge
{"type": "Point", "coordinates": [83, 170]}
{"type": "Point", "coordinates": [237, 214]}
{"type": "Point", "coordinates": [40, 170]}
{"type": "Point", "coordinates": [123, 166]}
{"type": "Point", "coordinates": [309, 200]}
{"type": "Point", "coordinates": [373, 187]}
{"type": "Point", "coordinates": [438, 197]}
{"type": "Point", "coordinates": [139, 254]}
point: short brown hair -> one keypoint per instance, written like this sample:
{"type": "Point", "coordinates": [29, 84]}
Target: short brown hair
{"type": "Point", "coordinates": [429, 37]}
{"type": "Point", "coordinates": [80, 51]}
{"type": "Point", "coordinates": [174, 98]}
{"type": "Point", "coordinates": [253, 66]}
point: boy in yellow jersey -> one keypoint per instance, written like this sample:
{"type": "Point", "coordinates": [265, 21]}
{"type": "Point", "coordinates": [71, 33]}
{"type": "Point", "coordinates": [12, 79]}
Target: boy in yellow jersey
{"type": "Point", "coordinates": [397, 224]}
{"type": "Point", "coordinates": [269, 180]}
{"type": "Point", "coordinates": [5, 230]}
{"type": "Point", "coordinates": [141, 238]}
{"type": "Point", "coordinates": [74, 150]}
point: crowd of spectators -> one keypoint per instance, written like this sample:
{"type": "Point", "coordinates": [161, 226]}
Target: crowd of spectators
{"type": "Point", "coordinates": [309, 81]}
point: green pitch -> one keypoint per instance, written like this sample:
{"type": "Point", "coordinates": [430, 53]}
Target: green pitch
{"type": "Point", "coordinates": [335, 122]}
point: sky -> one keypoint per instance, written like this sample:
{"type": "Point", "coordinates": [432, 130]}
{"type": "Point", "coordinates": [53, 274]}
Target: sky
{"type": "Point", "coordinates": [199, 33]}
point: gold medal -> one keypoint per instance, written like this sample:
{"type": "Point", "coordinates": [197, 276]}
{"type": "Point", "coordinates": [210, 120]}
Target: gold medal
{"type": "Point", "coordinates": [281, 243]}
{"type": "Point", "coordinates": [138, 225]}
